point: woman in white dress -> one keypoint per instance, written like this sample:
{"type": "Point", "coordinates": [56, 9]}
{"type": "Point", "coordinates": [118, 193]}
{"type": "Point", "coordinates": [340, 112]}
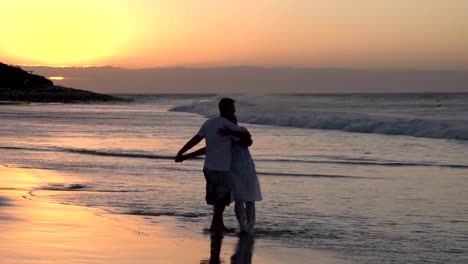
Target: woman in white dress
{"type": "Point", "coordinates": [246, 187]}
{"type": "Point", "coordinates": [245, 183]}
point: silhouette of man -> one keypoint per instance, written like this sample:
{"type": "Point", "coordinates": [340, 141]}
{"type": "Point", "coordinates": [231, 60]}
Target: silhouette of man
{"type": "Point", "coordinates": [217, 167]}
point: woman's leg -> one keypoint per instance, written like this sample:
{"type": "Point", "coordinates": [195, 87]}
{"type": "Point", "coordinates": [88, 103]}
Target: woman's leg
{"type": "Point", "coordinates": [241, 215]}
{"type": "Point", "coordinates": [250, 210]}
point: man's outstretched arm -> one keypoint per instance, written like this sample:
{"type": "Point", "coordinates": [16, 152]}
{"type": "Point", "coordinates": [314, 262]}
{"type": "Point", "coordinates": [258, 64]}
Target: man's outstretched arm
{"type": "Point", "coordinates": [190, 144]}
{"type": "Point", "coordinates": [194, 154]}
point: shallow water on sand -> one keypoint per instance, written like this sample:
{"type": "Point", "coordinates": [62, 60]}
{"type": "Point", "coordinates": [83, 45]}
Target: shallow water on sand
{"type": "Point", "coordinates": [364, 197]}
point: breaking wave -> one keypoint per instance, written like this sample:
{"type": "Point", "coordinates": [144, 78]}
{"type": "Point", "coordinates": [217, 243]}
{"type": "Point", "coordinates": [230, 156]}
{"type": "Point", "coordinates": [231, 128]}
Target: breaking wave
{"type": "Point", "coordinates": [350, 122]}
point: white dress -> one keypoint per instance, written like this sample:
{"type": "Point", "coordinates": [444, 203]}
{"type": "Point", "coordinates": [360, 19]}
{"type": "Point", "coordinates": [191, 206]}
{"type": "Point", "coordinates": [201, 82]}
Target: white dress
{"type": "Point", "coordinates": [245, 180]}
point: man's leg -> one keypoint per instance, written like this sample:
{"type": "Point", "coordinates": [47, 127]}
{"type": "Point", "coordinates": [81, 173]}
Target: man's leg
{"type": "Point", "coordinates": [217, 224]}
{"type": "Point", "coordinates": [218, 193]}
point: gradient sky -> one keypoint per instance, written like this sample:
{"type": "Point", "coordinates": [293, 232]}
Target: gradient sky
{"type": "Point", "coordinates": [414, 34]}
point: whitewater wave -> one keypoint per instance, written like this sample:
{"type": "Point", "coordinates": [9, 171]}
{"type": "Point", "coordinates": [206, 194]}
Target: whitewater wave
{"type": "Point", "coordinates": [304, 117]}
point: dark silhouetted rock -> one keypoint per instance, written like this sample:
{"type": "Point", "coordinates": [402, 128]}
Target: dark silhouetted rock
{"type": "Point", "coordinates": [19, 85]}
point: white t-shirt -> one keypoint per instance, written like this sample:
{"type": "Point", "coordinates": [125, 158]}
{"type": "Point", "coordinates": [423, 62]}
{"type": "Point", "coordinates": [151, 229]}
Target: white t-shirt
{"type": "Point", "coordinates": [218, 148]}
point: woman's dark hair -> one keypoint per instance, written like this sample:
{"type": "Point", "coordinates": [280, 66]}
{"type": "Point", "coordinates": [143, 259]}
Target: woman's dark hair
{"type": "Point", "coordinates": [233, 119]}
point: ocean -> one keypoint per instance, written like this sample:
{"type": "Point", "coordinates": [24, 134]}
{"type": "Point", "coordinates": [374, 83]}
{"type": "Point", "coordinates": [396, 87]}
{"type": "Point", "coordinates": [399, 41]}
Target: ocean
{"type": "Point", "coordinates": [366, 177]}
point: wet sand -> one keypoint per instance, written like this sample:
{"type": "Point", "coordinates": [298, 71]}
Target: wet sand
{"type": "Point", "coordinates": [40, 232]}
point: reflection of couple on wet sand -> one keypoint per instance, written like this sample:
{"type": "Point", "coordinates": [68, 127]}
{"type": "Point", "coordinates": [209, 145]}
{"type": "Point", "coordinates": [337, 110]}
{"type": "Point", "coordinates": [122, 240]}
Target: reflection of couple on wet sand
{"type": "Point", "coordinates": [229, 169]}
{"type": "Point", "coordinates": [242, 255]}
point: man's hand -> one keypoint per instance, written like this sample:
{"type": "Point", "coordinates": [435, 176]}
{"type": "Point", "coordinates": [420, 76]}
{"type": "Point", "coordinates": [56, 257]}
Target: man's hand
{"type": "Point", "coordinates": [179, 157]}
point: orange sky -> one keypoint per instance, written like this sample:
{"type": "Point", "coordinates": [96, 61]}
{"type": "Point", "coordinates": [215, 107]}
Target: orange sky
{"type": "Point", "coordinates": [303, 33]}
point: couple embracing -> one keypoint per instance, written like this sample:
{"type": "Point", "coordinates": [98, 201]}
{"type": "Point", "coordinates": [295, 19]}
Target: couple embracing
{"type": "Point", "coordinates": [229, 169]}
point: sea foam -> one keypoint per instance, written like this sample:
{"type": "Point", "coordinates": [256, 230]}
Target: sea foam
{"type": "Point", "coordinates": [299, 113]}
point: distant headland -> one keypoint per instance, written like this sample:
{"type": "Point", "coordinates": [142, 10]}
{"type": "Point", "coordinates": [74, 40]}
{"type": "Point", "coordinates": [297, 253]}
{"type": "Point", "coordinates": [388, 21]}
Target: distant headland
{"type": "Point", "coordinates": [17, 84]}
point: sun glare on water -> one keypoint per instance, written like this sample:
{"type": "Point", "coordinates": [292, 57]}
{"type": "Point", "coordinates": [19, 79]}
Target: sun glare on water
{"type": "Point", "coordinates": [56, 78]}
{"type": "Point", "coordinates": [62, 32]}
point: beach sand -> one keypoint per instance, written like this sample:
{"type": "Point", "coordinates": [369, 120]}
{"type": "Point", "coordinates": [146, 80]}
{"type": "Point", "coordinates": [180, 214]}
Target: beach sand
{"type": "Point", "coordinates": [41, 232]}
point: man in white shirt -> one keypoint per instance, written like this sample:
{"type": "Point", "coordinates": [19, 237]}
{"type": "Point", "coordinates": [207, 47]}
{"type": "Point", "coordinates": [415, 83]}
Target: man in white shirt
{"type": "Point", "coordinates": [217, 167]}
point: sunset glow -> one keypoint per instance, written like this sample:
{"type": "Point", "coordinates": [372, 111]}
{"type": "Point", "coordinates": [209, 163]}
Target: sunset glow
{"type": "Point", "coordinates": [299, 33]}
{"type": "Point", "coordinates": [56, 78]}
{"type": "Point", "coordinates": [62, 32]}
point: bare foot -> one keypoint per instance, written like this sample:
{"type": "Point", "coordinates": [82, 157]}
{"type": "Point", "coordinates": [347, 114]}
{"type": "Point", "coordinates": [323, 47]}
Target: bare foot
{"type": "Point", "coordinates": [221, 229]}
{"type": "Point", "coordinates": [229, 230]}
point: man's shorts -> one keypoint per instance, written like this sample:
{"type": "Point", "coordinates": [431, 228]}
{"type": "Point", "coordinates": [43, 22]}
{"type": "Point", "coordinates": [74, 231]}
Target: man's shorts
{"type": "Point", "coordinates": [218, 187]}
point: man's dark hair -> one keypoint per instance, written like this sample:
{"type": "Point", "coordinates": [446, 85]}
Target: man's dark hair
{"type": "Point", "coordinates": [225, 104]}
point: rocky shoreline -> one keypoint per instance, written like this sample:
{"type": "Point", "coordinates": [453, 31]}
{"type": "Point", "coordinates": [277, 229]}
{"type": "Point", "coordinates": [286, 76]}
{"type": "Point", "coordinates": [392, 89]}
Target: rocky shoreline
{"type": "Point", "coordinates": [17, 85]}
{"type": "Point", "coordinates": [54, 94]}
